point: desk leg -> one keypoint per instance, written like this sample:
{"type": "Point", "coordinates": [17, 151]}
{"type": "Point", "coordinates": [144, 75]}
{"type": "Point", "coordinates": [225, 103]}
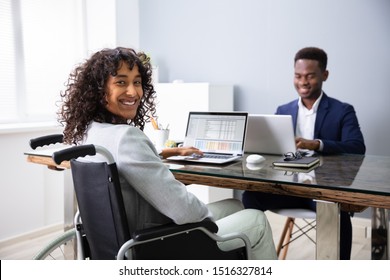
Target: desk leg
{"type": "Point", "coordinates": [328, 231]}
{"type": "Point", "coordinates": [70, 208]}
{"type": "Point", "coordinates": [380, 234]}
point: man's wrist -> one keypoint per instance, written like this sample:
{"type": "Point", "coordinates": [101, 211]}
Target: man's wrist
{"type": "Point", "coordinates": [320, 145]}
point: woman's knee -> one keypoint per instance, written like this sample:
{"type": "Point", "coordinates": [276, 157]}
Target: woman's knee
{"type": "Point", "coordinates": [226, 207]}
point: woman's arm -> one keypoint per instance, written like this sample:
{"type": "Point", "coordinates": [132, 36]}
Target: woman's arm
{"type": "Point", "coordinates": [140, 165]}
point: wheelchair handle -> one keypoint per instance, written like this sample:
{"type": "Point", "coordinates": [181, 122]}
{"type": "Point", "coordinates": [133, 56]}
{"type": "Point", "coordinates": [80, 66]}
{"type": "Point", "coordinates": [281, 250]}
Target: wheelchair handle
{"type": "Point", "coordinates": [74, 152]}
{"type": "Point", "coordinates": [46, 140]}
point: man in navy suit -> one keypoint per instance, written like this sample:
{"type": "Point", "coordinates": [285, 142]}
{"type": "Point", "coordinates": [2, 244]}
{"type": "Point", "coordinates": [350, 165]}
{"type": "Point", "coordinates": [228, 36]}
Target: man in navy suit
{"type": "Point", "coordinates": [322, 124]}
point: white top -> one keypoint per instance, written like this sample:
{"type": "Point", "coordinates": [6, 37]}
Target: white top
{"type": "Point", "coordinates": [306, 120]}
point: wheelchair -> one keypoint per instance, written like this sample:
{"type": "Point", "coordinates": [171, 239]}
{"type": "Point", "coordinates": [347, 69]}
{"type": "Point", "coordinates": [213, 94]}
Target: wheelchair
{"type": "Point", "coordinates": [101, 230]}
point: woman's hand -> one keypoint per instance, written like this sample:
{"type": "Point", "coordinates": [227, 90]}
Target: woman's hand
{"type": "Point", "coordinates": [180, 151]}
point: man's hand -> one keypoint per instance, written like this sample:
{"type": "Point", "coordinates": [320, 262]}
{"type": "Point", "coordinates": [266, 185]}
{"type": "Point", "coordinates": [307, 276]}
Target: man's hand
{"type": "Point", "coordinates": [302, 143]}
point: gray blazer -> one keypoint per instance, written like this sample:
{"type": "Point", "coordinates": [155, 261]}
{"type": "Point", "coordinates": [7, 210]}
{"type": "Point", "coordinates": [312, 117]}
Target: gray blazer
{"type": "Point", "coordinates": [151, 194]}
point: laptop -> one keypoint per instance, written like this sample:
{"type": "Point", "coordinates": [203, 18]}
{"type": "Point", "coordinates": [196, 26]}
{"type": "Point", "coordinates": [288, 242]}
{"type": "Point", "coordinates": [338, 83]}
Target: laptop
{"type": "Point", "coordinates": [219, 135]}
{"type": "Point", "coordinates": [270, 134]}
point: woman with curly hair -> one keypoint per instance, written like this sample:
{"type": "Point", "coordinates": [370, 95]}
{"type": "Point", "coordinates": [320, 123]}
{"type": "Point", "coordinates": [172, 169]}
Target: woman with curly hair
{"type": "Point", "coordinates": [85, 98]}
{"type": "Point", "coordinates": [107, 101]}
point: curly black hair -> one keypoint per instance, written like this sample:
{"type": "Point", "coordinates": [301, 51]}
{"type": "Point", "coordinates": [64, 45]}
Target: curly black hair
{"type": "Point", "coordinates": [84, 99]}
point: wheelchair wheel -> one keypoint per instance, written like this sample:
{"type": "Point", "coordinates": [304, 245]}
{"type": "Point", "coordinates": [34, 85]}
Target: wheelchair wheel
{"type": "Point", "coordinates": [55, 249]}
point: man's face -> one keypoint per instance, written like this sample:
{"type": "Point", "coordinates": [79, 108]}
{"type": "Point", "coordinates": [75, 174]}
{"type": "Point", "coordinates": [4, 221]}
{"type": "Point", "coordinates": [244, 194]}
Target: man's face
{"type": "Point", "coordinates": [308, 78]}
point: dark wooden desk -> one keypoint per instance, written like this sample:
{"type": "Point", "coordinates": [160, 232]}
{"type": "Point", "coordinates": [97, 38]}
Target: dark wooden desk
{"type": "Point", "coordinates": [348, 182]}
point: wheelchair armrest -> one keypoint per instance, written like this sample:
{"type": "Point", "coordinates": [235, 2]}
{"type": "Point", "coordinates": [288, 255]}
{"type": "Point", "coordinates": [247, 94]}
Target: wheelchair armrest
{"type": "Point", "coordinates": [169, 229]}
{"type": "Point", "coordinates": [46, 140]}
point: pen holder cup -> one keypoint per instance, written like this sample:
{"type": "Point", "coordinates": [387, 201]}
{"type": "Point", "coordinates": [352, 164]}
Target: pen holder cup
{"type": "Point", "coordinates": [160, 138]}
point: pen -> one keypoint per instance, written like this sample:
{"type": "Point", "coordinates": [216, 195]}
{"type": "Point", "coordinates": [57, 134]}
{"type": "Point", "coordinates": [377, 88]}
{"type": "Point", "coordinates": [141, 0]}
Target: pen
{"type": "Point", "coordinates": [154, 123]}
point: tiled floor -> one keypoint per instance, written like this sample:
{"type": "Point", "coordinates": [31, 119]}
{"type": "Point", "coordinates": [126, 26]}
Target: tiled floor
{"type": "Point", "coordinates": [301, 249]}
{"type": "Point", "coordinates": [26, 250]}
{"type": "Point", "coordinates": [304, 249]}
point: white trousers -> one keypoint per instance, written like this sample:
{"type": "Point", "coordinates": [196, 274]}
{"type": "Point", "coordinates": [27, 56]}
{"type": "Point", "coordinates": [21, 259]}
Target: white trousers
{"type": "Point", "coordinates": [230, 216]}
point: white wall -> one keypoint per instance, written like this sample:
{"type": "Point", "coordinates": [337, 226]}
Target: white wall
{"type": "Point", "coordinates": [31, 195]}
{"type": "Point", "coordinates": [100, 25]}
{"type": "Point", "coordinates": [127, 23]}
{"type": "Point", "coordinates": [252, 43]}
{"type": "Point", "coordinates": [111, 23]}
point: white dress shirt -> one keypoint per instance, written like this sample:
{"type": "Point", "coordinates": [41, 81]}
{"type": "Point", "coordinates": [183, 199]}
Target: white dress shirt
{"type": "Point", "coordinates": [306, 120]}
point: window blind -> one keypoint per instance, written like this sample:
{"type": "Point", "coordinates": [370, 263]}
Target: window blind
{"type": "Point", "coordinates": [42, 41]}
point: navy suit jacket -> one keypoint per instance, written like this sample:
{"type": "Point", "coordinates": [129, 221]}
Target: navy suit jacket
{"type": "Point", "coordinates": [336, 125]}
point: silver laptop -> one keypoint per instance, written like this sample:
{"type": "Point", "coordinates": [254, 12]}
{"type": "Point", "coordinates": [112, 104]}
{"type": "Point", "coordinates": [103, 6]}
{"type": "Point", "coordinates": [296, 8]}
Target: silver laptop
{"type": "Point", "coordinates": [270, 134]}
{"type": "Point", "coordinates": [219, 135]}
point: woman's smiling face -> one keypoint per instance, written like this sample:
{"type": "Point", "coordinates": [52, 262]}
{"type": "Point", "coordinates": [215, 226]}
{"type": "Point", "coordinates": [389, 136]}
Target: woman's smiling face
{"type": "Point", "coordinates": [124, 92]}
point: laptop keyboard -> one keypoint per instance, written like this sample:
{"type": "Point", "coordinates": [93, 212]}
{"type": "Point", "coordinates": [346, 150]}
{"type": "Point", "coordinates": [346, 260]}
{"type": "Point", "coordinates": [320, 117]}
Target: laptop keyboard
{"type": "Point", "coordinates": [217, 156]}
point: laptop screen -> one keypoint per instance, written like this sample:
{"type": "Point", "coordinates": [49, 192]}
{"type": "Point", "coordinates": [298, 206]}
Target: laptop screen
{"type": "Point", "coordinates": [217, 132]}
{"type": "Point", "coordinates": [270, 134]}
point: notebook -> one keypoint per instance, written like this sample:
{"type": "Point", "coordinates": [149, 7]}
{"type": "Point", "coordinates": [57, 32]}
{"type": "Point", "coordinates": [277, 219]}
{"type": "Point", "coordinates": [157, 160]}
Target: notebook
{"type": "Point", "coordinates": [270, 134]}
{"type": "Point", "coordinates": [305, 162]}
{"type": "Point", "coordinates": [219, 135]}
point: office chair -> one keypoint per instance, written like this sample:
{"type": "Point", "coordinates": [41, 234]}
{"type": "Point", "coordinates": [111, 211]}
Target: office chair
{"type": "Point", "coordinates": [288, 234]}
{"type": "Point", "coordinates": [102, 229]}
